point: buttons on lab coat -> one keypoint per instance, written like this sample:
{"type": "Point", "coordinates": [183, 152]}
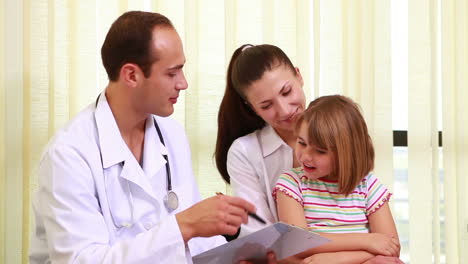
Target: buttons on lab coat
{"type": "Point", "coordinates": [127, 225]}
{"type": "Point", "coordinates": [148, 225]}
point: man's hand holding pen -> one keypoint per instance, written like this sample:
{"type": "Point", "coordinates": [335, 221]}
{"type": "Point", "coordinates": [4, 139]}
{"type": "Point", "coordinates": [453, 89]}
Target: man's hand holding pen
{"type": "Point", "coordinates": [217, 215]}
{"type": "Point", "coordinates": [251, 214]}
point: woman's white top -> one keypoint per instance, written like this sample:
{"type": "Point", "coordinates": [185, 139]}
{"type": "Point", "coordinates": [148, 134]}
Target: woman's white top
{"type": "Point", "coordinates": [96, 204]}
{"type": "Point", "coordinates": [254, 163]}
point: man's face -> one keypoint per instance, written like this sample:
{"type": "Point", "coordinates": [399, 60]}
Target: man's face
{"type": "Point", "coordinates": [158, 93]}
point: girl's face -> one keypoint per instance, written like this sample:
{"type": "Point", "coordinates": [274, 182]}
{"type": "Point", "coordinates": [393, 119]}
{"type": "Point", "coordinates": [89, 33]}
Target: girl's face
{"type": "Point", "coordinates": [278, 97]}
{"type": "Point", "coordinates": [315, 161]}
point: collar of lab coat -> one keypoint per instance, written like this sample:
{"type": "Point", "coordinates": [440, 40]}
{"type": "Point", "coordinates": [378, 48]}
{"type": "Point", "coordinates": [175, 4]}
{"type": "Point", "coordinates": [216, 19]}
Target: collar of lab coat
{"type": "Point", "coordinates": [113, 147]}
{"type": "Point", "coordinates": [271, 141]}
{"type": "Point", "coordinates": [111, 143]}
{"type": "Point", "coordinates": [154, 150]}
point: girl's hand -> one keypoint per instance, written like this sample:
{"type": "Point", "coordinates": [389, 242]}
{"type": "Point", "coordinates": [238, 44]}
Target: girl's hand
{"type": "Point", "coordinates": [382, 244]}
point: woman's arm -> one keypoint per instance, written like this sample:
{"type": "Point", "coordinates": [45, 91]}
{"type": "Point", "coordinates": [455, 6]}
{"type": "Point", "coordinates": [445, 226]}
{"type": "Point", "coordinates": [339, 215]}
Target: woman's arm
{"type": "Point", "coordinates": [343, 257]}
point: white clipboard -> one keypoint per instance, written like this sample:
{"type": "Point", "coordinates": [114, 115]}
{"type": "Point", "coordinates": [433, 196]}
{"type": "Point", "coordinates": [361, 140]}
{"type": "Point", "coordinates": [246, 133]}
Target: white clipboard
{"type": "Point", "coordinates": [285, 240]}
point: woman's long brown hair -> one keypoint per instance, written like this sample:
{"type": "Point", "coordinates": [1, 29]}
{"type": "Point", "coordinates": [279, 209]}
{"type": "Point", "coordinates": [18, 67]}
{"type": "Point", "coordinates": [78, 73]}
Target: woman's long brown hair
{"type": "Point", "coordinates": [235, 117]}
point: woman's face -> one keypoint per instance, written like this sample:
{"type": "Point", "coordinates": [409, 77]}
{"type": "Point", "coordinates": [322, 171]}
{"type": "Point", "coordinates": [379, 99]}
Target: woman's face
{"type": "Point", "coordinates": [278, 97]}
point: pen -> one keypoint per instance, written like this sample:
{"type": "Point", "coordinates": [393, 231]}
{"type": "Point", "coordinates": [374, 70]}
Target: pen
{"type": "Point", "coordinates": [253, 215]}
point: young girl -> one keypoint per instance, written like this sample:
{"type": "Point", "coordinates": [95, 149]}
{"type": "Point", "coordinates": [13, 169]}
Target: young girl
{"type": "Point", "coordinates": [332, 192]}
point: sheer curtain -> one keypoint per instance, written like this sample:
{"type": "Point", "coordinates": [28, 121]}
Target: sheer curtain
{"type": "Point", "coordinates": [422, 174]}
{"type": "Point", "coordinates": [50, 68]}
{"type": "Point", "coordinates": [454, 66]}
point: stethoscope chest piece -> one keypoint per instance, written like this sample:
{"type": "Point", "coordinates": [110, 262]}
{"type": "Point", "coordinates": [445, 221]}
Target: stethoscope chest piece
{"type": "Point", "coordinates": [171, 201]}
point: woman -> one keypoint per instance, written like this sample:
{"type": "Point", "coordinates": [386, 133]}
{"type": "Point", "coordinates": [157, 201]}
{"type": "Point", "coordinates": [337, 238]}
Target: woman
{"type": "Point", "coordinates": [256, 120]}
{"type": "Point", "coordinates": [255, 125]}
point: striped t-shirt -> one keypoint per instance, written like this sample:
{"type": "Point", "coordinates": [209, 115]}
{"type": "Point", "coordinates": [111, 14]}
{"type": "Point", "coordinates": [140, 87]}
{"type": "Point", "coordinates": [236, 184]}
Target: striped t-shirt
{"type": "Point", "coordinates": [326, 210]}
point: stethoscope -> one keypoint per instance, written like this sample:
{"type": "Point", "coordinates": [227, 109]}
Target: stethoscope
{"type": "Point", "coordinates": [171, 200]}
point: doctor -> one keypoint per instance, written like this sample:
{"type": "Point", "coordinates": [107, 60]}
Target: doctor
{"type": "Point", "coordinates": [116, 183]}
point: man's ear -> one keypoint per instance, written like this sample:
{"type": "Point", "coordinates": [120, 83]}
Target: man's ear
{"type": "Point", "coordinates": [130, 74]}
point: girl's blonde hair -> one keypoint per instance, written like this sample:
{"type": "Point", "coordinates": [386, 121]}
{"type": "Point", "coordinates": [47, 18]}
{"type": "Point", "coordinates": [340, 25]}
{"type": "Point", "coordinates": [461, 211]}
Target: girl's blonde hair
{"type": "Point", "coordinates": [335, 123]}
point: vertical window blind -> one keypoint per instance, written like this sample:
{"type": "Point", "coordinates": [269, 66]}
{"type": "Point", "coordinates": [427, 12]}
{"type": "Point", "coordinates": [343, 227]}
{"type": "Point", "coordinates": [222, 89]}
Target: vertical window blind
{"type": "Point", "coordinates": [50, 68]}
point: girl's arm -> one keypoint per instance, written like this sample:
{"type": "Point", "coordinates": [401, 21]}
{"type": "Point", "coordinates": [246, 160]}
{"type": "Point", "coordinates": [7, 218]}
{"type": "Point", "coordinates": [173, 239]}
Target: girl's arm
{"type": "Point", "coordinates": [381, 221]}
{"type": "Point", "coordinates": [349, 257]}
{"type": "Point", "coordinates": [382, 239]}
{"type": "Point", "coordinates": [372, 243]}
{"type": "Point", "coordinates": [291, 212]}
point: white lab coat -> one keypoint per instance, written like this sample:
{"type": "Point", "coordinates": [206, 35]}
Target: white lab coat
{"type": "Point", "coordinates": [112, 211]}
{"type": "Point", "coordinates": [254, 163]}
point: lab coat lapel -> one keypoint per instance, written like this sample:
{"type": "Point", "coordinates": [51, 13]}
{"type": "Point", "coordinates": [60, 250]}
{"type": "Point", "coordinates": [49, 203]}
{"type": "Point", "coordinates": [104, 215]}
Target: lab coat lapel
{"type": "Point", "coordinates": [112, 146]}
{"type": "Point", "coordinates": [115, 151]}
{"type": "Point", "coordinates": [153, 160]}
{"type": "Point", "coordinates": [132, 172]}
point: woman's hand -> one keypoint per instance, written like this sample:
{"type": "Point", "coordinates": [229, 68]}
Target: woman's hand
{"type": "Point", "coordinates": [384, 260]}
{"type": "Point", "coordinates": [271, 259]}
{"type": "Point", "coordinates": [325, 258]}
{"type": "Point", "coordinates": [382, 244]}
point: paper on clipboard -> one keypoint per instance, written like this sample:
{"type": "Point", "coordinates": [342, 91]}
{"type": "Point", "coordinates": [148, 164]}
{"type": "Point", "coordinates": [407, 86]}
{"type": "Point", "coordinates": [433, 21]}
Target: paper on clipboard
{"type": "Point", "coordinates": [285, 240]}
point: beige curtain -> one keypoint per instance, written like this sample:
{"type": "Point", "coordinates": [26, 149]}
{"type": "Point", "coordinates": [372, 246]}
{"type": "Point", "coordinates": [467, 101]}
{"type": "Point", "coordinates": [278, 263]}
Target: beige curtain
{"type": "Point", "coordinates": [455, 124]}
{"type": "Point", "coordinates": [438, 60]}
{"type": "Point", "coordinates": [422, 81]}
{"type": "Point", "coordinates": [50, 68]}
{"type": "Point", "coordinates": [353, 54]}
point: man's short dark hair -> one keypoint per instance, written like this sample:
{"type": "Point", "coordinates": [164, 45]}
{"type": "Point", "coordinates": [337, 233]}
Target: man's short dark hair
{"type": "Point", "coordinates": [129, 41]}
